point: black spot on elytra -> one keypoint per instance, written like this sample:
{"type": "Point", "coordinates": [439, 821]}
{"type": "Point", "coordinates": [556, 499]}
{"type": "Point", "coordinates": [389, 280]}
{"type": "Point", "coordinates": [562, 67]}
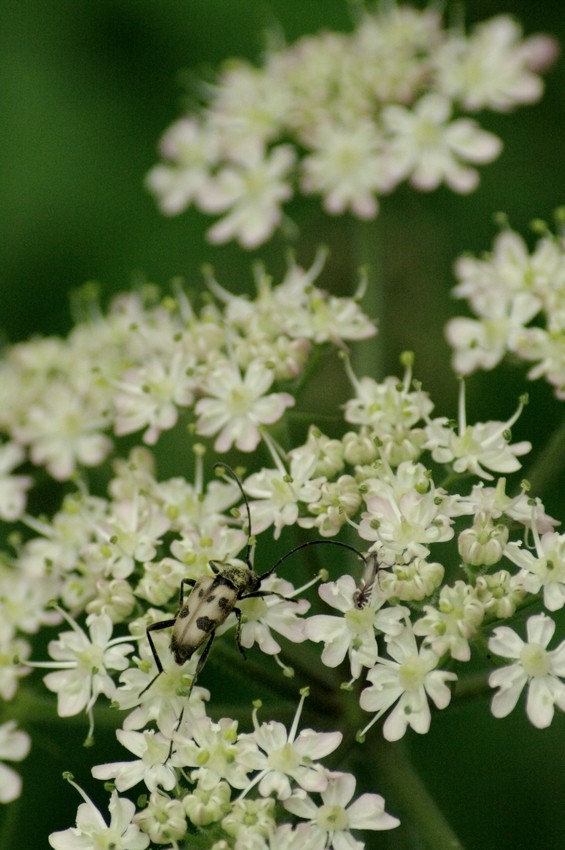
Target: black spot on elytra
{"type": "Point", "coordinates": [200, 592]}
{"type": "Point", "coordinates": [205, 624]}
{"type": "Point", "coordinates": [184, 612]}
{"type": "Point", "coordinates": [210, 598]}
{"type": "Point", "coordinates": [224, 603]}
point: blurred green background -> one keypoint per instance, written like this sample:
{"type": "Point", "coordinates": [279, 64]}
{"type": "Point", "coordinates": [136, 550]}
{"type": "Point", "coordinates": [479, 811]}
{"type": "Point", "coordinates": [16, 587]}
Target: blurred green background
{"type": "Point", "coordinates": [87, 89]}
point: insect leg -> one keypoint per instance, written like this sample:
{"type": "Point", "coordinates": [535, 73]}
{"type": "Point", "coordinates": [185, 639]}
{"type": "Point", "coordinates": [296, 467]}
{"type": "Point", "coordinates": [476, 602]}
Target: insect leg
{"type": "Point", "coordinates": [237, 613]}
{"type": "Point", "coordinates": [156, 627]}
{"type": "Point", "coordinates": [183, 583]}
{"type": "Point", "coordinates": [201, 662]}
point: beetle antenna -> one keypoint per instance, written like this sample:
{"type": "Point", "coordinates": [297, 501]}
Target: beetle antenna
{"type": "Point", "coordinates": [224, 468]}
{"type": "Point", "coordinates": [315, 543]}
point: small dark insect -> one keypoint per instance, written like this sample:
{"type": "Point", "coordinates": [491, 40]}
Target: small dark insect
{"type": "Point", "coordinates": [364, 589]}
{"type": "Point", "coordinates": [213, 598]}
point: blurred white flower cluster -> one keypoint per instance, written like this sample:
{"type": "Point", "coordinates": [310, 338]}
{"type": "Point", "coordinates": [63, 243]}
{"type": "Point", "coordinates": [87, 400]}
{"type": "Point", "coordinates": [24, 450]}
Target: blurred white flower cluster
{"type": "Point", "coordinates": [347, 116]}
{"type": "Point", "coordinates": [517, 295]}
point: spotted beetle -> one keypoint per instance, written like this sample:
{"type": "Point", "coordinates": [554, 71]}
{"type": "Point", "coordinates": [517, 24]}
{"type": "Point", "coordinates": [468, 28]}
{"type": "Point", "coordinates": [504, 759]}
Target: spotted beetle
{"type": "Point", "coordinates": [213, 598]}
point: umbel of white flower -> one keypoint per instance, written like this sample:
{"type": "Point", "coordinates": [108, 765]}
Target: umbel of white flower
{"type": "Point", "coordinates": [517, 296]}
{"type": "Point", "coordinates": [436, 569]}
{"type": "Point", "coordinates": [347, 116]}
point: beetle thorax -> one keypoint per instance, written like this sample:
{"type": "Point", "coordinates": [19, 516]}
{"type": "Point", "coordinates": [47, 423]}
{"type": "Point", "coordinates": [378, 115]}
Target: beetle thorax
{"type": "Point", "coordinates": [243, 579]}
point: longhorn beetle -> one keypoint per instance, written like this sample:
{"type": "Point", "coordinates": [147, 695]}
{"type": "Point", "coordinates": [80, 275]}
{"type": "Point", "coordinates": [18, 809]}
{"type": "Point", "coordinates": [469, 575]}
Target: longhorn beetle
{"type": "Point", "coordinates": [213, 598]}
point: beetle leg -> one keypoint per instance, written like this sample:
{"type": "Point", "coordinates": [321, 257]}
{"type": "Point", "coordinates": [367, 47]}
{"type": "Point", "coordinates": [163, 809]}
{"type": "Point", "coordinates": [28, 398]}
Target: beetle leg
{"type": "Point", "coordinates": [156, 627]}
{"type": "Point", "coordinates": [185, 581]}
{"type": "Point", "coordinates": [237, 613]}
{"type": "Point", "coordinates": [202, 660]}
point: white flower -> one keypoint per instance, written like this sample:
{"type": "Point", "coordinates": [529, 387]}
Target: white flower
{"type": "Point", "coordinates": [346, 167]}
{"type": "Point", "coordinates": [509, 289]}
{"type": "Point", "coordinates": [150, 395]}
{"type": "Point", "coordinates": [387, 405]}
{"type": "Point", "coordinates": [12, 487]}
{"type": "Point", "coordinates": [333, 820]}
{"type": "Point", "coordinates": [165, 697]}
{"type": "Point", "coordinates": [429, 150]}
{"type": "Point", "coordinates": [162, 819]}
{"type": "Point", "coordinates": [483, 543]}
{"type": "Point", "coordinates": [354, 633]}
{"type": "Point", "coordinates": [275, 494]}
{"type": "Point", "coordinates": [411, 580]}
{"type": "Point", "coordinates": [252, 191]}
{"type": "Point", "coordinates": [405, 513]}
{"type": "Point", "coordinates": [262, 615]}
{"type": "Point", "coordinates": [492, 68]}
{"type": "Point", "coordinates": [280, 755]}
{"type": "Point", "coordinates": [250, 822]}
{"type": "Point", "coordinates": [476, 448]}
{"type": "Point", "coordinates": [408, 680]}
{"type": "Point", "coordinates": [542, 670]}
{"type": "Point", "coordinates": [190, 149]}
{"type": "Point", "coordinates": [14, 746]}
{"type": "Point", "coordinates": [93, 833]}
{"type": "Point", "coordinates": [239, 405]}
{"type": "Point", "coordinates": [213, 749]}
{"type": "Point", "coordinates": [544, 569]}
{"type": "Point", "coordinates": [84, 660]}
{"type": "Point", "coordinates": [152, 749]}
{"type": "Point", "coordinates": [449, 626]}
{"type": "Point", "coordinates": [62, 429]}
{"type": "Point", "coordinates": [13, 654]}
{"type": "Point", "coordinates": [338, 501]}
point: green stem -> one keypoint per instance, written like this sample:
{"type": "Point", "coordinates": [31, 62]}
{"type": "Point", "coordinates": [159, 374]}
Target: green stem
{"type": "Point", "coordinates": [419, 812]}
{"type": "Point", "coordinates": [368, 356]}
{"type": "Point", "coordinates": [471, 687]}
{"type": "Point", "coordinates": [549, 463]}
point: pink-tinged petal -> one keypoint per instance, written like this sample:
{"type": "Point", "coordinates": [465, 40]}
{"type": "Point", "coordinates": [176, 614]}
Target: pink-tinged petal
{"type": "Point", "coordinates": [317, 745]}
{"type": "Point", "coordinates": [368, 812]}
{"type": "Point", "coordinates": [340, 790]}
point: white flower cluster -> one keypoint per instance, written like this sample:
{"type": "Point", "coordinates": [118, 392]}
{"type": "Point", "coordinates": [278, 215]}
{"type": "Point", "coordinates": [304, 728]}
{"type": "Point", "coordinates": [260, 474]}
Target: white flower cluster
{"type": "Point", "coordinates": [407, 483]}
{"type": "Point", "coordinates": [266, 789]}
{"type": "Point", "coordinates": [347, 117]}
{"type": "Point", "coordinates": [138, 366]}
{"type": "Point", "coordinates": [518, 298]}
